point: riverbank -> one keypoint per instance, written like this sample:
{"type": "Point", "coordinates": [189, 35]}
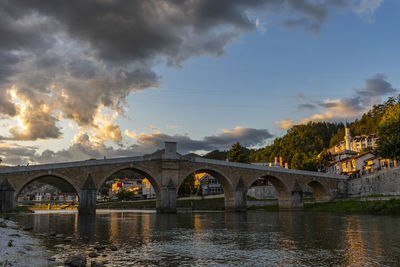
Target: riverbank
{"type": "Point", "coordinates": [357, 205]}
{"type": "Point", "coordinates": [194, 204]}
{"type": "Point", "coordinates": [387, 207]}
{"type": "Point", "coordinates": [18, 248]}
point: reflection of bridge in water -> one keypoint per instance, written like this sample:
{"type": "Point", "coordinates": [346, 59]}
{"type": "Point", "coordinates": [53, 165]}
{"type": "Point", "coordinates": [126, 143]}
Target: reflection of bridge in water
{"type": "Point", "coordinates": [166, 170]}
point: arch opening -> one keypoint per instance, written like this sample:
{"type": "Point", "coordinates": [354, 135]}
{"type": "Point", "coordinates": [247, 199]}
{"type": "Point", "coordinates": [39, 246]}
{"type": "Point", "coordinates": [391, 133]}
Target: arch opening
{"type": "Point", "coordinates": [48, 192]}
{"type": "Point", "coordinates": [268, 189]}
{"type": "Point", "coordinates": [206, 188]}
{"type": "Point", "coordinates": [319, 192]}
{"type": "Point", "coordinates": [129, 185]}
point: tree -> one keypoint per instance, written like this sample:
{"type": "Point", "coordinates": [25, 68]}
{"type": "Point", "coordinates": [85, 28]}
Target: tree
{"type": "Point", "coordinates": [216, 154]}
{"type": "Point", "coordinates": [187, 186]}
{"type": "Point", "coordinates": [297, 161]}
{"type": "Point", "coordinates": [125, 195]}
{"type": "Point", "coordinates": [237, 153]}
{"type": "Point", "coordinates": [324, 160]}
{"type": "Point", "coordinates": [388, 143]}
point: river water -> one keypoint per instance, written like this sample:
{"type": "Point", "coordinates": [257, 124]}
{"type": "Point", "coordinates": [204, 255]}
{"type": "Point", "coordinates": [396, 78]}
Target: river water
{"type": "Point", "coordinates": [254, 238]}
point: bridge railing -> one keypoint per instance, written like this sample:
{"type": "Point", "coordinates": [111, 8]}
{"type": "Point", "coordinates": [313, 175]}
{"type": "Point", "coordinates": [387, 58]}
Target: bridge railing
{"type": "Point", "coordinates": [73, 164]}
{"type": "Point", "coordinates": [267, 168]}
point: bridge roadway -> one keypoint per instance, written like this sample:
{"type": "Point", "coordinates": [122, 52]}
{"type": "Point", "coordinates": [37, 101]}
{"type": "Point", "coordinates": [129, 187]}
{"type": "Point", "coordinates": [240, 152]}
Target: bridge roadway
{"type": "Point", "coordinates": [166, 169]}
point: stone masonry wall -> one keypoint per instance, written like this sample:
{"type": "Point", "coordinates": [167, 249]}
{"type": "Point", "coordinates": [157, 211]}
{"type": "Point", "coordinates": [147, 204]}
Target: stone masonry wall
{"type": "Point", "coordinates": [382, 183]}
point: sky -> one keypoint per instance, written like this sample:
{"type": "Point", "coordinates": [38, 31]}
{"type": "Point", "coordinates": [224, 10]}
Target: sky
{"type": "Point", "coordinates": [88, 79]}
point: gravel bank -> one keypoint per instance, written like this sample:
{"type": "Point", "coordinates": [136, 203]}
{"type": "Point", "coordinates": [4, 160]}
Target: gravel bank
{"type": "Point", "coordinates": [19, 249]}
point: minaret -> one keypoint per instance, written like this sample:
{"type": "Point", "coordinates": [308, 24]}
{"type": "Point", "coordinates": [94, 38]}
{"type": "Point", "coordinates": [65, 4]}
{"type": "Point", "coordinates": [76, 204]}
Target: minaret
{"type": "Point", "coordinates": [347, 137]}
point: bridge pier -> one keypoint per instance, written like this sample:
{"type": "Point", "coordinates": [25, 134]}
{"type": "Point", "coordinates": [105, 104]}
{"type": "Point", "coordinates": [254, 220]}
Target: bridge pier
{"type": "Point", "coordinates": [239, 201]}
{"type": "Point", "coordinates": [294, 200]}
{"type": "Point", "coordinates": [167, 203]}
{"type": "Point", "coordinates": [7, 200]}
{"type": "Point", "coordinates": [87, 197]}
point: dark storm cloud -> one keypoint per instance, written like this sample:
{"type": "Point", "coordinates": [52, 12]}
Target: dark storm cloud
{"type": "Point", "coordinates": [80, 56]}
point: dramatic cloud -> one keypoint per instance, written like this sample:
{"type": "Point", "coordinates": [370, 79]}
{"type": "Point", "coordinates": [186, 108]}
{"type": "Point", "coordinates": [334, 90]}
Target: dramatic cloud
{"type": "Point", "coordinates": [85, 147]}
{"type": "Point", "coordinates": [71, 59]}
{"type": "Point", "coordinates": [79, 60]}
{"type": "Point", "coordinates": [246, 136]}
{"type": "Point", "coordinates": [349, 107]}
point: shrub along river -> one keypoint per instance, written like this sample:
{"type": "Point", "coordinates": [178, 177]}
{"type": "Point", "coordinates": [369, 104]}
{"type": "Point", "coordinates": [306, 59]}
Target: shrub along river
{"type": "Point", "coordinates": [253, 238]}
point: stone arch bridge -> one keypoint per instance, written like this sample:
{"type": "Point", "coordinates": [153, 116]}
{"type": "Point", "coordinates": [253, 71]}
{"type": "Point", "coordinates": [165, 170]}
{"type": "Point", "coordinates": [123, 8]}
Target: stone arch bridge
{"type": "Point", "coordinates": [166, 169]}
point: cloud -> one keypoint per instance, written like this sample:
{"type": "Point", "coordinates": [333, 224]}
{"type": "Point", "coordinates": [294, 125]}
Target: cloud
{"type": "Point", "coordinates": [285, 124]}
{"type": "Point", "coordinates": [86, 147]}
{"type": "Point", "coordinates": [77, 57]}
{"type": "Point", "coordinates": [352, 107]}
{"type": "Point", "coordinates": [246, 136]}
{"type": "Point", "coordinates": [306, 106]}
{"type": "Point", "coordinates": [12, 153]}
{"type": "Point", "coordinates": [367, 9]}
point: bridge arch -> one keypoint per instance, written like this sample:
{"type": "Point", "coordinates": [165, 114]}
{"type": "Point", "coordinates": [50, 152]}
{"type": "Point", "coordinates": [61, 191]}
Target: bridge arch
{"type": "Point", "coordinates": [59, 181]}
{"type": "Point", "coordinates": [36, 177]}
{"type": "Point", "coordinates": [320, 191]}
{"type": "Point", "coordinates": [136, 169]}
{"type": "Point", "coordinates": [220, 176]}
{"type": "Point", "coordinates": [282, 189]}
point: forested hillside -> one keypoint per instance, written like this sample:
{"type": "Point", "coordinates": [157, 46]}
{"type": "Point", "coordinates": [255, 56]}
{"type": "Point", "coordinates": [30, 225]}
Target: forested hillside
{"type": "Point", "coordinates": [300, 146]}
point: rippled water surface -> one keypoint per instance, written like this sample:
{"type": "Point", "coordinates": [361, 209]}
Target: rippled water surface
{"type": "Point", "coordinates": [256, 238]}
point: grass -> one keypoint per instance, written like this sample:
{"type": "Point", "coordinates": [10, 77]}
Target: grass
{"type": "Point", "coordinates": [391, 206]}
{"type": "Point", "coordinates": [205, 204]}
{"type": "Point", "coordinates": [4, 216]}
{"type": "Point", "coordinates": [128, 205]}
{"type": "Point", "coordinates": [202, 204]}
{"type": "Point", "coordinates": [23, 209]}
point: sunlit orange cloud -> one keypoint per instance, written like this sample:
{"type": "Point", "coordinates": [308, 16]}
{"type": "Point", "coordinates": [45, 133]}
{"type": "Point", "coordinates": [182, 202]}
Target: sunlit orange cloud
{"type": "Point", "coordinates": [36, 119]}
{"type": "Point", "coordinates": [285, 124]}
{"type": "Point", "coordinates": [131, 134]}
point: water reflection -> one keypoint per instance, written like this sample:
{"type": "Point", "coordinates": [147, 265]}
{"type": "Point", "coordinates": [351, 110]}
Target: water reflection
{"type": "Point", "coordinates": [254, 238]}
{"type": "Point", "coordinates": [87, 226]}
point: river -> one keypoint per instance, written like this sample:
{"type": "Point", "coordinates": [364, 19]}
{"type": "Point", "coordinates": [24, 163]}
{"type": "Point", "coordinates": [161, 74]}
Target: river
{"type": "Point", "coordinates": [254, 238]}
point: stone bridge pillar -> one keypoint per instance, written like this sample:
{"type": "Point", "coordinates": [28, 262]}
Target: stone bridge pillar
{"type": "Point", "coordinates": [239, 202]}
{"type": "Point", "coordinates": [7, 200]}
{"type": "Point", "coordinates": [169, 179]}
{"type": "Point", "coordinates": [294, 200]}
{"type": "Point", "coordinates": [167, 204]}
{"type": "Point", "coordinates": [87, 197]}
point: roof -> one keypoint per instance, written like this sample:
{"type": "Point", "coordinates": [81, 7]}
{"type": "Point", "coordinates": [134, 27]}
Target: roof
{"type": "Point", "coordinates": [363, 154]}
{"type": "Point", "coordinates": [345, 152]}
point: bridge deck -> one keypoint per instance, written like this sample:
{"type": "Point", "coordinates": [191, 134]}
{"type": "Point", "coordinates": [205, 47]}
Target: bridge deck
{"type": "Point", "coordinates": [96, 162]}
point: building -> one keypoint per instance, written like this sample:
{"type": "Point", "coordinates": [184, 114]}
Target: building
{"type": "Point", "coordinates": [356, 144]}
{"type": "Point", "coordinates": [350, 156]}
{"type": "Point", "coordinates": [141, 188]}
{"type": "Point", "coordinates": [147, 189]}
{"type": "Point", "coordinates": [356, 165]}
{"type": "Point", "coordinates": [208, 184]}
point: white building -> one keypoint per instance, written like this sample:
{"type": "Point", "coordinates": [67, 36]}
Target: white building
{"type": "Point", "coordinates": [210, 185]}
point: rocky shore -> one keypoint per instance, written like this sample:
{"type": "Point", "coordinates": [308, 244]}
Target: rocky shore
{"type": "Point", "coordinates": [18, 248]}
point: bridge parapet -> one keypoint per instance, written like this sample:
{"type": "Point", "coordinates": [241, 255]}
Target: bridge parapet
{"type": "Point", "coordinates": [267, 168]}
